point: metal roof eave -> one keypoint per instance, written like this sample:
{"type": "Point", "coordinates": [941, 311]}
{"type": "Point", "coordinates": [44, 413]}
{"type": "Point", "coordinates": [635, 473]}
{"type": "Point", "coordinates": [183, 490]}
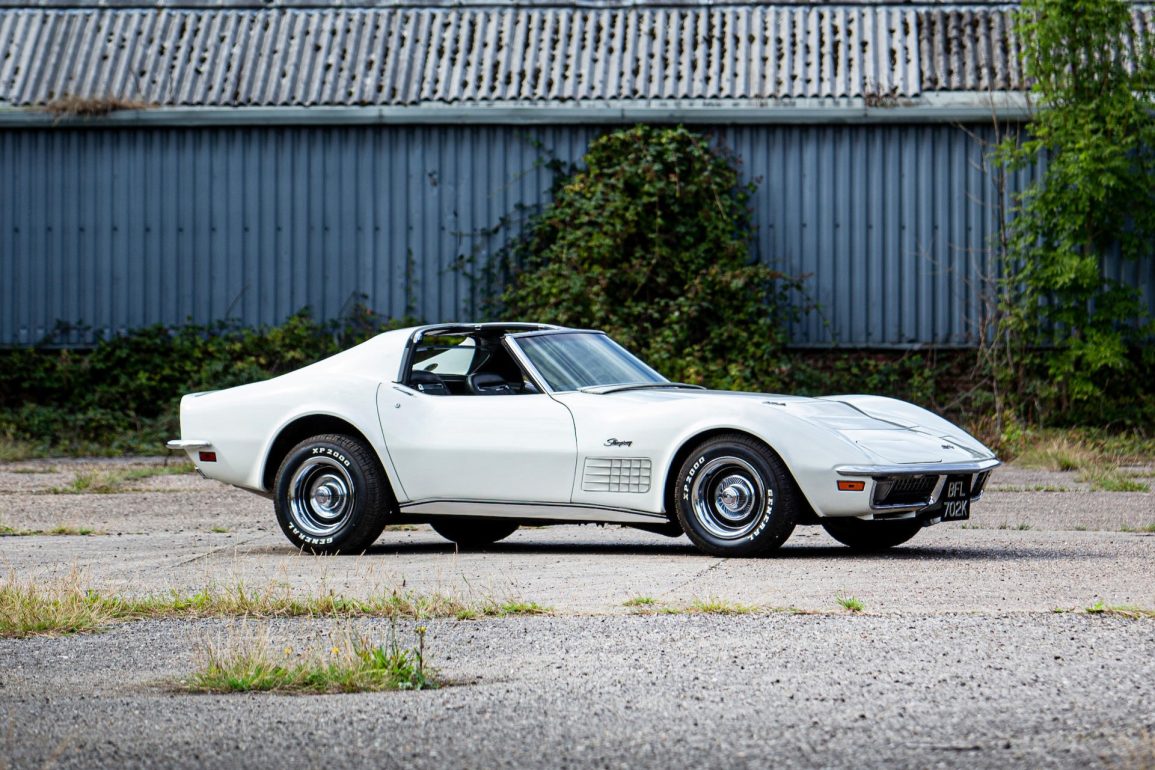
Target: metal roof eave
{"type": "Point", "coordinates": [938, 107]}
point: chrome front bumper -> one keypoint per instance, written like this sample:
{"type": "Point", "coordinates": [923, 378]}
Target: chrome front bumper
{"type": "Point", "coordinates": [883, 476]}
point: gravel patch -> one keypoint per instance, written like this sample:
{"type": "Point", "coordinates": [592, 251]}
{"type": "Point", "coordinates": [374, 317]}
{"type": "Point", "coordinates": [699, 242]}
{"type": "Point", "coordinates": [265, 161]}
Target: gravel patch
{"type": "Point", "coordinates": [910, 690]}
{"type": "Point", "coordinates": [958, 660]}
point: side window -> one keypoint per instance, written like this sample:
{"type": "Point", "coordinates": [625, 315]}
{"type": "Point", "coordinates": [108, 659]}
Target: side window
{"type": "Point", "coordinates": [466, 365]}
{"type": "Point", "coordinates": [445, 355]}
{"type": "Point", "coordinates": [441, 364]}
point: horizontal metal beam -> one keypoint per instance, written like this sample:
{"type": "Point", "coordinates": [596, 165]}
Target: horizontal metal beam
{"type": "Point", "coordinates": [930, 108]}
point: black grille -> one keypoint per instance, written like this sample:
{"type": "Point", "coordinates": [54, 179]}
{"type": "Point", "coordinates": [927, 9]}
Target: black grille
{"type": "Point", "coordinates": [980, 481]}
{"type": "Point", "coordinates": [904, 490]}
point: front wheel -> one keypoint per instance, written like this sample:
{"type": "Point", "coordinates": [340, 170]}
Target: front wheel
{"type": "Point", "coordinates": [869, 536]}
{"type": "Point", "coordinates": [331, 495]}
{"type": "Point", "coordinates": [473, 533]}
{"type": "Point", "coordinates": [735, 497]}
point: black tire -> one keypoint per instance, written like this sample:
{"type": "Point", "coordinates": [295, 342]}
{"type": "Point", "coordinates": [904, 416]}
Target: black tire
{"type": "Point", "coordinates": [735, 497]}
{"type": "Point", "coordinates": [331, 495]}
{"type": "Point", "coordinates": [473, 533]}
{"type": "Point", "coordinates": [867, 536]}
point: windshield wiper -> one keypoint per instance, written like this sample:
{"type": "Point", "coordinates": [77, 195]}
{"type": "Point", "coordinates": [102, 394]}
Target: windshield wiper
{"type": "Point", "coordinates": [600, 389]}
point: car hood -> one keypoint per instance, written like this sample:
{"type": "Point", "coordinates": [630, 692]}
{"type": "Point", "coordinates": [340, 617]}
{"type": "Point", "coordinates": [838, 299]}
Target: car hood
{"type": "Point", "coordinates": [891, 430]}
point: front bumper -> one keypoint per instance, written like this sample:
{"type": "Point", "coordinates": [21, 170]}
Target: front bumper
{"type": "Point", "coordinates": [916, 489]}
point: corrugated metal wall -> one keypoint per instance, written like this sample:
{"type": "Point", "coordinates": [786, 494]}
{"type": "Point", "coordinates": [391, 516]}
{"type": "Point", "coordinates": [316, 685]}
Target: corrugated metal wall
{"type": "Point", "coordinates": [122, 228]}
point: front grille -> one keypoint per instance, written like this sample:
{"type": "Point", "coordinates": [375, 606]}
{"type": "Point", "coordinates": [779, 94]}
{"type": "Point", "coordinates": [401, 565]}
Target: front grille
{"type": "Point", "coordinates": [614, 474]}
{"type": "Point", "coordinates": [892, 491]}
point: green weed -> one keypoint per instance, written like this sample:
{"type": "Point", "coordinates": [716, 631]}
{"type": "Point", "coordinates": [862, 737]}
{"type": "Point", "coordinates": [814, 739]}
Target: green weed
{"type": "Point", "coordinates": [640, 601]}
{"type": "Point", "coordinates": [851, 604]}
{"type": "Point", "coordinates": [1120, 610]}
{"type": "Point", "coordinates": [354, 664]}
{"type": "Point", "coordinates": [718, 606]}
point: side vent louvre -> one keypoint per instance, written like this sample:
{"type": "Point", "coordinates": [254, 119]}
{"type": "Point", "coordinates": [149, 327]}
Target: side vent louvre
{"type": "Point", "coordinates": [616, 474]}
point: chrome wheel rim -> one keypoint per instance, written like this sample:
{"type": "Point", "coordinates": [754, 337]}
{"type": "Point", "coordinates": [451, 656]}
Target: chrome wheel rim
{"type": "Point", "coordinates": [728, 498]}
{"type": "Point", "coordinates": [321, 496]}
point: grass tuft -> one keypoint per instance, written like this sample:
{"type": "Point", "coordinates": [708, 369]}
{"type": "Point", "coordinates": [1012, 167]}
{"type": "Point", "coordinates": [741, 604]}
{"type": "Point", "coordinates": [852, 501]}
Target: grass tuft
{"type": "Point", "coordinates": [850, 604]}
{"type": "Point", "coordinates": [717, 606]}
{"type": "Point", "coordinates": [29, 609]}
{"type": "Point", "coordinates": [6, 531]}
{"type": "Point", "coordinates": [1097, 456]}
{"type": "Point", "coordinates": [516, 608]}
{"type": "Point", "coordinates": [353, 664]}
{"type": "Point", "coordinates": [1060, 452]}
{"type": "Point", "coordinates": [116, 480]}
{"type": "Point", "coordinates": [63, 607]}
{"type": "Point", "coordinates": [1111, 479]}
{"type": "Point", "coordinates": [15, 450]}
{"type": "Point", "coordinates": [1120, 610]}
{"type": "Point", "coordinates": [640, 601]}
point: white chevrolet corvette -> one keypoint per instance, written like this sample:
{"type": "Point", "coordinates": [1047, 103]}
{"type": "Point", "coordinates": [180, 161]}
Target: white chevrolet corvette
{"type": "Point", "coordinates": [477, 428]}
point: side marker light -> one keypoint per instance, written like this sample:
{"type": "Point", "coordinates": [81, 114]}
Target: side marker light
{"type": "Point", "coordinates": [211, 457]}
{"type": "Point", "coordinates": [843, 486]}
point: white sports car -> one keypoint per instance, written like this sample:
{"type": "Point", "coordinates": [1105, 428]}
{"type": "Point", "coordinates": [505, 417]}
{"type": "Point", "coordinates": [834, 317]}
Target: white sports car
{"type": "Point", "coordinates": [477, 428]}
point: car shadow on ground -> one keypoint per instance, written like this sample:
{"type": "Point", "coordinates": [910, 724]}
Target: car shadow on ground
{"type": "Point", "coordinates": [912, 552]}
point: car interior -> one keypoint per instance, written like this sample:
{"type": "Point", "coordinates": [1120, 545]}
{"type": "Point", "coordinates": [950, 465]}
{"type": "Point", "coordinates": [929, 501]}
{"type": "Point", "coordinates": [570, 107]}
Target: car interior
{"type": "Point", "coordinates": [466, 365]}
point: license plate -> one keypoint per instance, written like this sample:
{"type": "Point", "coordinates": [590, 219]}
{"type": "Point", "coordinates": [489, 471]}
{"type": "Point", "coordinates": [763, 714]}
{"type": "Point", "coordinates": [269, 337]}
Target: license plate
{"type": "Point", "coordinates": [956, 502]}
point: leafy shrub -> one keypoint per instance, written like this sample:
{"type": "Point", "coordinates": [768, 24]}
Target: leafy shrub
{"type": "Point", "coordinates": [650, 243]}
{"type": "Point", "coordinates": [1077, 340]}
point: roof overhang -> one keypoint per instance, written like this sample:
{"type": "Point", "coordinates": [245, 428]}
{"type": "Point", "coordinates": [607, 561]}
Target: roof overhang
{"type": "Point", "coordinates": [940, 107]}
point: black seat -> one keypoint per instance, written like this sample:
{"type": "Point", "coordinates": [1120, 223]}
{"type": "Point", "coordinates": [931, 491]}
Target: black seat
{"type": "Point", "coordinates": [428, 383]}
{"type": "Point", "coordinates": [488, 384]}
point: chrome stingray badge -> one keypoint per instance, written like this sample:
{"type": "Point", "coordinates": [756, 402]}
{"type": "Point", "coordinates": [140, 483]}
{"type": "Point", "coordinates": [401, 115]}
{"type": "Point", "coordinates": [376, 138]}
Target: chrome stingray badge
{"type": "Point", "coordinates": [615, 442]}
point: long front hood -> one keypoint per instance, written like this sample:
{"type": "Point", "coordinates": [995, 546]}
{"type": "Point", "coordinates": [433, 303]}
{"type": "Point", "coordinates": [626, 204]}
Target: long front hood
{"type": "Point", "coordinates": [889, 430]}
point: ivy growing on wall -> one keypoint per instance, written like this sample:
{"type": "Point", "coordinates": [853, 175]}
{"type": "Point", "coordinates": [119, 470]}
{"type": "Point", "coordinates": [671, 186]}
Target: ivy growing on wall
{"type": "Point", "coordinates": [650, 242]}
{"type": "Point", "coordinates": [1076, 337]}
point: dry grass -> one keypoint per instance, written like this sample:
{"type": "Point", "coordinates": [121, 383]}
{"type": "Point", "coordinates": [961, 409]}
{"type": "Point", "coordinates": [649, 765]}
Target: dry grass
{"type": "Point", "coordinates": [1067, 449]}
{"type": "Point", "coordinates": [14, 450]}
{"type": "Point", "coordinates": [279, 601]}
{"type": "Point", "coordinates": [1099, 460]}
{"type": "Point", "coordinates": [6, 531]}
{"type": "Point", "coordinates": [28, 608]}
{"type": "Point", "coordinates": [1104, 478]}
{"type": "Point", "coordinates": [1134, 753]}
{"type": "Point", "coordinates": [73, 106]}
{"type": "Point", "coordinates": [111, 481]}
{"type": "Point", "coordinates": [63, 606]}
{"type": "Point", "coordinates": [1058, 453]}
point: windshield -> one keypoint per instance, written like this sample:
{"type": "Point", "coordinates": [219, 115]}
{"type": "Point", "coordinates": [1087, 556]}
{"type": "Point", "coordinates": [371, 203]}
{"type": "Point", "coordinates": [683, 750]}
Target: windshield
{"type": "Point", "coordinates": [571, 361]}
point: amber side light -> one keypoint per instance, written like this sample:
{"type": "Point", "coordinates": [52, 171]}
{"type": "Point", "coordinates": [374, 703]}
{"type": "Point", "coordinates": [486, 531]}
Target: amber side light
{"type": "Point", "coordinates": [843, 486]}
{"type": "Point", "coordinates": [211, 457]}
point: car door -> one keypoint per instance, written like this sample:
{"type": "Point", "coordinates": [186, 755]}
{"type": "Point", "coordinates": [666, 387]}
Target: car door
{"type": "Point", "coordinates": [518, 448]}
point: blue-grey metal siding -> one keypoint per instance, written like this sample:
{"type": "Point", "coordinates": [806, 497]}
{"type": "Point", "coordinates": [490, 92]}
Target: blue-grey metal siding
{"type": "Point", "coordinates": [121, 228]}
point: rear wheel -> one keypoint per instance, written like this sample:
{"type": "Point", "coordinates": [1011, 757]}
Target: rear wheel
{"type": "Point", "coordinates": [331, 495]}
{"type": "Point", "coordinates": [735, 497]}
{"type": "Point", "coordinates": [871, 535]}
{"type": "Point", "coordinates": [473, 533]}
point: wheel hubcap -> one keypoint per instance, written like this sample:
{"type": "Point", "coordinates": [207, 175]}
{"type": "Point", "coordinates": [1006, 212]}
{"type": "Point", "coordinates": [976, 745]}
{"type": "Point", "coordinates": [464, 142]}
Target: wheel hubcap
{"type": "Point", "coordinates": [321, 496]}
{"type": "Point", "coordinates": [728, 497]}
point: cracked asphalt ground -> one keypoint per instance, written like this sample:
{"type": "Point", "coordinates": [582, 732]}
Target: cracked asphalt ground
{"type": "Point", "coordinates": [958, 660]}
